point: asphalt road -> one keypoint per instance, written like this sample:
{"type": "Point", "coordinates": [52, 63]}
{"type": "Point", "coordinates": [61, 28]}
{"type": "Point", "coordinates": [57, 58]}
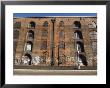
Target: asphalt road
{"type": "Point", "coordinates": [53, 72]}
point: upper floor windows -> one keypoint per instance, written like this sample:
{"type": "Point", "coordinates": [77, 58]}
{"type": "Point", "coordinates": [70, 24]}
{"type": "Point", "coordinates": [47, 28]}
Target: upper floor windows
{"type": "Point", "coordinates": [93, 25]}
{"type": "Point", "coordinates": [61, 24]}
{"type": "Point", "coordinates": [77, 24]}
{"type": "Point", "coordinates": [17, 25]}
{"type": "Point", "coordinates": [30, 34]}
{"type": "Point", "coordinates": [32, 25]}
{"type": "Point", "coordinates": [45, 24]}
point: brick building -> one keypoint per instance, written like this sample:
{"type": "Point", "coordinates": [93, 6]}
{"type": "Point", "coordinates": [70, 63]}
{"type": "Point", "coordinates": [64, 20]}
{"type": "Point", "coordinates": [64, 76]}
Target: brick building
{"type": "Point", "coordinates": [55, 41]}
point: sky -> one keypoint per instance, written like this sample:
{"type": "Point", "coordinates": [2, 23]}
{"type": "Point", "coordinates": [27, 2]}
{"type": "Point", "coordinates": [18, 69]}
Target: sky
{"type": "Point", "coordinates": [52, 14]}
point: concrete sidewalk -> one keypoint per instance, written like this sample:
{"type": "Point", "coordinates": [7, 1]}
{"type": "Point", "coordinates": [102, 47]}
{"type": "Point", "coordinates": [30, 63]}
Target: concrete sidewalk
{"type": "Point", "coordinates": [53, 72]}
{"type": "Point", "coordinates": [54, 67]}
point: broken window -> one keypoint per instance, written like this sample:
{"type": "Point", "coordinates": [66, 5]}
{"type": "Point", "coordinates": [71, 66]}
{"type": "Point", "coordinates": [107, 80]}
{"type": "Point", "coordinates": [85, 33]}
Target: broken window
{"type": "Point", "coordinates": [27, 59]}
{"type": "Point", "coordinates": [45, 24]}
{"type": "Point", "coordinates": [30, 34]}
{"type": "Point", "coordinates": [93, 25]}
{"type": "Point", "coordinates": [61, 24]}
{"type": "Point", "coordinates": [32, 25]}
{"type": "Point", "coordinates": [29, 46]}
{"type": "Point", "coordinates": [17, 25]}
{"type": "Point", "coordinates": [77, 24]}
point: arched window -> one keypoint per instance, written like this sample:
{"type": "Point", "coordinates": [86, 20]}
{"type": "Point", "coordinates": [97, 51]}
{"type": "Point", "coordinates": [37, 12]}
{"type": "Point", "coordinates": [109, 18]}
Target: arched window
{"type": "Point", "coordinates": [44, 45]}
{"type": "Point", "coordinates": [44, 33]}
{"type": "Point", "coordinates": [29, 46]}
{"type": "Point", "coordinates": [17, 25]}
{"type": "Point", "coordinates": [32, 24]}
{"type": "Point", "coordinates": [16, 34]}
{"type": "Point", "coordinates": [30, 34]}
{"type": "Point", "coordinates": [93, 25]}
{"type": "Point", "coordinates": [27, 60]}
{"type": "Point", "coordinates": [45, 24]}
{"type": "Point", "coordinates": [93, 35]}
{"type": "Point", "coordinates": [77, 24]}
{"type": "Point", "coordinates": [78, 35]}
{"type": "Point", "coordinates": [80, 46]}
{"type": "Point", "coordinates": [61, 24]}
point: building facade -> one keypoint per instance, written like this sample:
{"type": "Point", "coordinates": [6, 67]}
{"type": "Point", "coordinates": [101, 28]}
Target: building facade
{"type": "Point", "coordinates": [55, 41]}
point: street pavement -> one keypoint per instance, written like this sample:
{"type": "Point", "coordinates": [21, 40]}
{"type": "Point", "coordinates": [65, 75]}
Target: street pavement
{"type": "Point", "coordinates": [53, 72]}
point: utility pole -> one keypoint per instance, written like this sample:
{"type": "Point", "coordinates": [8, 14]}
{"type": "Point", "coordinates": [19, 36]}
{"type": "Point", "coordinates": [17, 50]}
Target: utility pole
{"type": "Point", "coordinates": [52, 43]}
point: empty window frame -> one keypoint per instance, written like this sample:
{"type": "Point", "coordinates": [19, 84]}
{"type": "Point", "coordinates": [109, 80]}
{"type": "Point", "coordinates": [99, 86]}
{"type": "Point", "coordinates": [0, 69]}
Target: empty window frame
{"type": "Point", "coordinates": [77, 24]}
{"type": "Point", "coordinates": [45, 24]}
{"type": "Point", "coordinates": [31, 34]}
{"type": "Point", "coordinates": [17, 25]}
{"type": "Point", "coordinates": [32, 25]}
{"type": "Point", "coordinates": [28, 47]}
{"type": "Point", "coordinates": [61, 24]}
